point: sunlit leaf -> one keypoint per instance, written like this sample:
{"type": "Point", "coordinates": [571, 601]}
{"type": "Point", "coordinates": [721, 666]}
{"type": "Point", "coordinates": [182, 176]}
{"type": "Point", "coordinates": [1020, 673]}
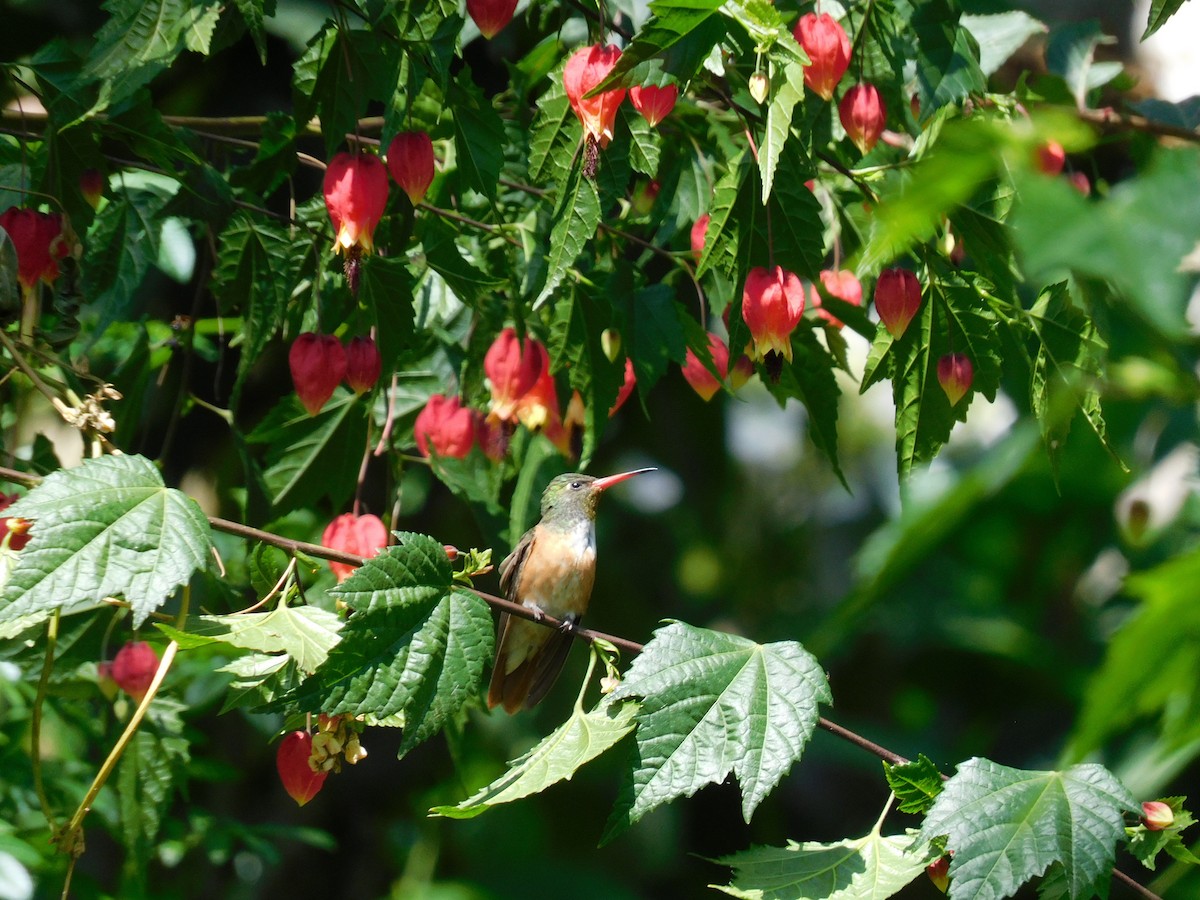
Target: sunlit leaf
{"type": "Point", "coordinates": [916, 784]}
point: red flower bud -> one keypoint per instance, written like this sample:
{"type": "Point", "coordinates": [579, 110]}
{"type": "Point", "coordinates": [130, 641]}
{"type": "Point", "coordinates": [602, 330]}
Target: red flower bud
{"type": "Point", "coordinates": [586, 68]}
{"type": "Point", "coordinates": [1050, 157]}
{"type": "Point", "coordinates": [363, 364]}
{"type": "Point", "coordinates": [410, 160]}
{"type": "Point", "coordinates": [939, 873]}
{"type": "Point", "coordinates": [318, 363]}
{"type": "Point", "coordinates": [356, 190]}
{"type": "Point", "coordinates": [863, 115]}
{"type": "Point", "coordinates": [292, 761]}
{"type": "Point", "coordinates": [447, 425]}
{"type": "Point", "coordinates": [626, 388]}
{"type": "Point", "coordinates": [654, 103]}
{"type": "Point", "coordinates": [1080, 182]}
{"type": "Point", "coordinates": [897, 299]}
{"type": "Point", "coordinates": [699, 377]}
{"type": "Point", "coordinates": [772, 304]}
{"type": "Point", "coordinates": [91, 185]}
{"type": "Point", "coordinates": [38, 239]}
{"type": "Point", "coordinates": [361, 535]}
{"type": "Point", "coordinates": [513, 366]}
{"type": "Point", "coordinates": [841, 284]}
{"type": "Point", "coordinates": [955, 373]}
{"type": "Point", "coordinates": [133, 668]}
{"type": "Point", "coordinates": [700, 235]}
{"type": "Point", "coordinates": [644, 195]}
{"type": "Point", "coordinates": [490, 16]}
{"type": "Point", "coordinates": [13, 530]}
{"type": "Point", "coordinates": [826, 44]}
{"type": "Point", "coordinates": [1157, 815]}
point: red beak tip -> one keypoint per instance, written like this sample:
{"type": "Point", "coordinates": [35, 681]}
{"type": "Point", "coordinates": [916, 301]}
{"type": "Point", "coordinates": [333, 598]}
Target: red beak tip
{"type": "Point", "coordinates": [608, 481]}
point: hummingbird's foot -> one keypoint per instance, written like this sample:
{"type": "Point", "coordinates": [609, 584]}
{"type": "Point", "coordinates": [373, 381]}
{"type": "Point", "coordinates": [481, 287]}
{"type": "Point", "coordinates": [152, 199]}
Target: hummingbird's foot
{"type": "Point", "coordinates": [569, 624]}
{"type": "Point", "coordinates": [539, 614]}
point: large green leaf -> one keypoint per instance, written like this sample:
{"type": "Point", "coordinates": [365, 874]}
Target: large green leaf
{"type": "Point", "coordinates": [387, 291]}
{"type": "Point", "coordinates": [733, 211]}
{"type": "Point", "coordinates": [653, 334]}
{"type": "Point", "coordinates": [555, 135]}
{"type": "Point", "coordinates": [151, 766]}
{"type": "Point", "coordinates": [1160, 11]}
{"type": "Point", "coordinates": [575, 218]}
{"type": "Point", "coordinates": [1006, 826]}
{"type": "Point", "coordinates": [787, 89]}
{"type": "Point", "coordinates": [478, 135]}
{"type": "Point", "coordinates": [948, 56]}
{"type": "Point", "coordinates": [999, 36]}
{"type": "Point", "coordinates": [122, 247]}
{"type": "Point", "coordinates": [414, 649]}
{"type": "Point", "coordinates": [108, 527]}
{"type": "Point", "coordinates": [557, 757]}
{"type": "Point", "coordinates": [715, 704]}
{"type": "Point", "coordinates": [681, 34]}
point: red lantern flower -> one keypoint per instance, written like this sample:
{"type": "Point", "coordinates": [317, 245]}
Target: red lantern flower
{"type": "Point", "coordinates": [13, 531]}
{"type": "Point", "coordinates": [363, 364]}
{"type": "Point", "coordinates": [897, 299]}
{"type": "Point", "coordinates": [91, 185]}
{"type": "Point", "coordinates": [538, 407]}
{"type": "Point", "coordinates": [361, 535]}
{"type": "Point", "coordinates": [955, 374]}
{"type": "Point", "coordinates": [38, 240]}
{"type": "Point", "coordinates": [447, 426]}
{"type": "Point", "coordinates": [318, 363]}
{"type": "Point", "coordinates": [133, 668]}
{"type": "Point", "coordinates": [490, 16]}
{"type": "Point", "coordinates": [300, 780]}
{"type": "Point", "coordinates": [410, 160]}
{"type": "Point", "coordinates": [863, 115]}
{"type": "Point", "coordinates": [742, 370]}
{"type": "Point", "coordinates": [826, 44]}
{"type": "Point", "coordinates": [841, 284]}
{"type": "Point", "coordinates": [356, 190]}
{"type": "Point", "coordinates": [586, 68]}
{"type": "Point", "coordinates": [700, 235]}
{"type": "Point", "coordinates": [1050, 157]}
{"type": "Point", "coordinates": [626, 388]}
{"type": "Point", "coordinates": [939, 873]}
{"type": "Point", "coordinates": [513, 366]}
{"type": "Point", "coordinates": [697, 374]}
{"type": "Point", "coordinates": [772, 304]}
{"type": "Point", "coordinates": [654, 103]}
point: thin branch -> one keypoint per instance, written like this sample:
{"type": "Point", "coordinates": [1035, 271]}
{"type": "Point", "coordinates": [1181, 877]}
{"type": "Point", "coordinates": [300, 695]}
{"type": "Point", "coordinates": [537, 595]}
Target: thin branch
{"type": "Point", "coordinates": [1114, 121]}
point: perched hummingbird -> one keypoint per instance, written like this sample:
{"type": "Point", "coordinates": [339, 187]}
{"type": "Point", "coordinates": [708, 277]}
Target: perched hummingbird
{"type": "Point", "coordinates": [550, 571]}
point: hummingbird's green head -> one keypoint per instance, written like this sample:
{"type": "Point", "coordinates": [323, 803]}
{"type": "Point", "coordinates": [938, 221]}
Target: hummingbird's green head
{"type": "Point", "coordinates": [572, 496]}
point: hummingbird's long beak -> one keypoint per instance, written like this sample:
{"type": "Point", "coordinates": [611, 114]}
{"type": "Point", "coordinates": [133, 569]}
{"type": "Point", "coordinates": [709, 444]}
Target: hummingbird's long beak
{"type": "Point", "coordinates": [609, 480]}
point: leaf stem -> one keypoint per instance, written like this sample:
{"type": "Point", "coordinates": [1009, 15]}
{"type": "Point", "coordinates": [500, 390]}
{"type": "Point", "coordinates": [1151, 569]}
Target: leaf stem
{"type": "Point", "coordinates": [35, 721]}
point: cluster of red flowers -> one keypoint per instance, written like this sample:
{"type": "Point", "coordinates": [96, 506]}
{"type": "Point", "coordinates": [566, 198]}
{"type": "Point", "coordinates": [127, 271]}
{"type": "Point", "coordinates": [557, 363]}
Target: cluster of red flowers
{"type": "Point", "coordinates": [585, 69]}
{"type": "Point", "coordinates": [319, 362]}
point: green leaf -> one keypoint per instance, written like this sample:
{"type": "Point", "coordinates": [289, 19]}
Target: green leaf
{"type": "Point", "coordinates": [1071, 54]}
{"type": "Point", "coordinates": [387, 291]}
{"type": "Point", "coordinates": [139, 41]}
{"type": "Point", "coordinates": [787, 89]}
{"type": "Point", "coordinates": [557, 757]}
{"type": "Point", "coordinates": [916, 784]}
{"type": "Point", "coordinates": [645, 143]}
{"type": "Point", "coordinates": [415, 647]}
{"type": "Point", "coordinates": [253, 12]}
{"type": "Point", "coordinates": [1145, 844]}
{"type": "Point", "coordinates": [796, 228]}
{"type": "Point", "coordinates": [810, 379]}
{"type": "Point", "coordinates": [1006, 826]}
{"type": "Point", "coordinates": [715, 704]}
{"type": "Point", "coordinates": [576, 217]}
{"type": "Point", "coordinates": [681, 34]}
{"type": "Point", "coordinates": [652, 334]}
{"type": "Point", "coordinates": [478, 135]}
{"type": "Point", "coordinates": [153, 762]}
{"type": "Point", "coordinates": [873, 867]}
{"type": "Point", "coordinates": [1160, 11]}
{"type": "Point", "coordinates": [1123, 237]}
{"type": "Point", "coordinates": [121, 248]}
{"type": "Point", "coordinates": [304, 633]}
{"type": "Point", "coordinates": [108, 527]}
{"type": "Point", "coordinates": [733, 208]}
{"type": "Point", "coordinates": [999, 36]}
{"type": "Point", "coordinates": [309, 457]}
{"type": "Point", "coordinates": [575, 345]}
{"type": "Point", "coordinates": [469, 283]}
{"type": "Point", "coordinates": [554, 137]}
{"type": "Point", "coordinates": [948, 58]}
{"type": "Point", "coordinates": [355, 67]}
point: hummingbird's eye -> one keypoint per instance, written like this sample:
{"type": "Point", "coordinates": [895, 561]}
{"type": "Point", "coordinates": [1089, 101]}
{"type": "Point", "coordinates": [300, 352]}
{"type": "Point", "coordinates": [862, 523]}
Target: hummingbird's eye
{"type": "Point", "coordinates": [576, 485]}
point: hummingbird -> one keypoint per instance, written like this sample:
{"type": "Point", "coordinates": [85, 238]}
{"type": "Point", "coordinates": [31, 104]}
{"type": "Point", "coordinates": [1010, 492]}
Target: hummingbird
{"type": "Point", "coordinates": [551, 572]}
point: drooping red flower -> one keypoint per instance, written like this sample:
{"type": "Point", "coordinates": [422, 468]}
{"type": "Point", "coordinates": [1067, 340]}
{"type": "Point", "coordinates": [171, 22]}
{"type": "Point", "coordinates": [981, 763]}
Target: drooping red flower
{"type": "Point", "coordinates": [133, 668]}
{"type": "Point", "coordinates": [38, 240]}
{"type": "Point", "coordinates": [586, 68]}
{"type": "Point", "coordinates": [299, 778]}
{"type": "Point", "coordinates": [445, 427]}
{"type": "Point", "coordinates": [939, 873]}
{"type": "Point", "coordinates": [490, 16]}
{"type": "Point", "coordinates": [955, 374]}
{"type": "Point", "coordinates": [12, 529]}
{"type": "Point", "coordinates": [318, 364]}
{"type": "Point", "coordinates": [91, 185]}
{"type": "Point", "coordinates": [841, 284]}
{"type": "Point", "coordinates": [362, 535]}
{"type": "Point", "coordinates": [356, 190]}
{"type": "Point", "coordinates": [654, 103]}
{"type": "Point", "coordinates": [627, 387]}
{"type": "Point", "coordinates": [826, 43]}
{"type": "Point", "coordinates": [741, 372]}
{"type": "Point", "coordinates": [513, 366]}
{"type": "Point", "coordinates": [897, 299]}
{"type": "Point", "coordinates": [772, 304]}
{"type": "Point", "coordinates": [1050, 157]}
{"type": "Point", "coordinates": [410, 160]}
{"type": "Point", "coordinates": [538, 407]}
{"type": "Point", "coordinates": [703, 381]}
{"type": "Point", "coordinates": [699, 235]}
{"type": "Point", "coordinates": [1080, 182]}
{"type": "Point", "coordinates": [363, 364]}
{"type": "Point", "coordinates": [863, 115]}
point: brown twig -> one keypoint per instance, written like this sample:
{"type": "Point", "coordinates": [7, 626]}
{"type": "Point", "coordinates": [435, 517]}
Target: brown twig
{"type": "Point", "coordinates": [1111, 120]}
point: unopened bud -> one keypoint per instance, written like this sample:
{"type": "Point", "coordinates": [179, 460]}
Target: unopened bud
{"type": "Point", "coordinates": [939, 873]}
{"type": "Point", "coordinates": [1157, 815]}
{"type": "Point", "coordinates": [760, 87]}
{"type": "Point", "coordinates": [610, 343]}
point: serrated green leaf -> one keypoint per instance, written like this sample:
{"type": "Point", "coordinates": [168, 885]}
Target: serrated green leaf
{"type": "Point", "coordinates": [1145, 845]}
{"type": "Point", "coordinates": [715, 704]}
{"type": "Point", "coordinates": [416, 646]}
{"type": "Point", "coordinates": [304, 633]}
{"type": "Point", "coordinates": [557, 757]}
{"type": "Point", "coordinates": [948, 56]}
{"type": "Point", "coordinates": [1071, 54]}
{"type": "Point", "coordinates": [576, 218]}
{"type": "Point", "coordinates": [1160, 11]}
{"type": "Point", "coordinates": [916, 784]}
{"type": "Point", "coordinates": [796, 235]}
{"type": "Point", "coordinates": [732, 210]}
{"type": "Point", "coordinates": [787, 89]}
{"type": "Point", "coordinates": [652, 334]}
{"type": "Point", "coordinates": [575, 345]}
{"type": "Point", "coordinates": [645, 143]}
{"type": "Point", "coordinates": [153, 762]}
{"type": "Point", "coordinates": [108, 527]}
{"type": "Point", "coordinates": [555, 135]}
{"type": "Point", "coordinates": [469, 283]}
{"type": "Point", "coordinates": [253, 12]}
{"type": "Point", "coordinates": [312, 456]}
{"type": "Point", "coordinates": [478, 135]}
{"type": "Point", "coordinates": [123, 244]}
{"type": "Point", "coordinates": [387, 291]}
{"type": "Point", "coordinates": [1033, 820]}
{"type": "Point", "coordinates": [139, 41]}
{"type": "Point", "coordinates": [680, 34]}
{"type": "Point", "coordinates": [873, 867]}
